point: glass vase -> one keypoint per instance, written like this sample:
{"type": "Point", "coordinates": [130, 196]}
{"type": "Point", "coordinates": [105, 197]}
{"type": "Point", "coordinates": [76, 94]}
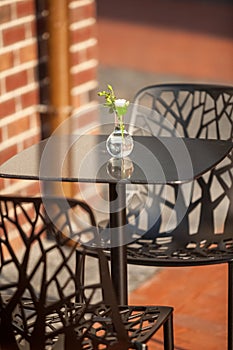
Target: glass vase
{"type": "Point", "coordinates": [118, 145]}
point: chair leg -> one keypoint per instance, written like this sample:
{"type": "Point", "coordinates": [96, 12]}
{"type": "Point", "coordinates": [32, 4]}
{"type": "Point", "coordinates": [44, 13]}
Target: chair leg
{"type": "Point", "coordinates": [230, 305]}
{"type": "Point", "coordinates": [79, 275]}
{"type": "Point", "coordinates": [168, 334]}
{"type": "Point", "coordinates": [140, 346]}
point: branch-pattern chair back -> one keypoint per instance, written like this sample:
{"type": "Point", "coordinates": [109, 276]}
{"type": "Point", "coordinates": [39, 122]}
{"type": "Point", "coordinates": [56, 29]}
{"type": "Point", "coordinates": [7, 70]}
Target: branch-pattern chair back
{"type": "Point", "coordinates": [203, 222]}
{"type": "Point", "coordinates": [38, 283]}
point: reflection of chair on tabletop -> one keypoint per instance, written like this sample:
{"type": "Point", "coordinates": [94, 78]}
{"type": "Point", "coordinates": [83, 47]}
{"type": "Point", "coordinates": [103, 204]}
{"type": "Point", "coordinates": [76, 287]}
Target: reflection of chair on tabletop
{"type": "Point", "coordinates": [38, 285]}
{"type": "Point", "coordinates": [189, 224]}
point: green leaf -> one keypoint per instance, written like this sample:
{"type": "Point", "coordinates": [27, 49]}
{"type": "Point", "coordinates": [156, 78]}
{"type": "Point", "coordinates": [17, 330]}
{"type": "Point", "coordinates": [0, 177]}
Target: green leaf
{"type": "Point", "coordinates": [110, 99]}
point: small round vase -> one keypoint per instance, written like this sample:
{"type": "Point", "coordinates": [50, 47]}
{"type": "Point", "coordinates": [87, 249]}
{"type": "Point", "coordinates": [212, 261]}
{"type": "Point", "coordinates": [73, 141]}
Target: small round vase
{"type": "Point", "coordinates": [118, 145]}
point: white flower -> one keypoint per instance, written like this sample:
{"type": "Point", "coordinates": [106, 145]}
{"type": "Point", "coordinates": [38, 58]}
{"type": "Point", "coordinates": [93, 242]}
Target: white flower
{"type": "Point", "coordinates": [120, 102]}
{"type": "Point", "coordinates": [118, 106]}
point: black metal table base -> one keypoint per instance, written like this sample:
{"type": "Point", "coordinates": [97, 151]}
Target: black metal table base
{"type": "Point", "coordinates": [118, 250]}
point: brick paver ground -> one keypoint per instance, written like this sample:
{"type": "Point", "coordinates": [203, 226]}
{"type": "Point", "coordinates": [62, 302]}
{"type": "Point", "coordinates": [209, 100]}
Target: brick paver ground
{"type": "Point", "coordinates": [199, 297]}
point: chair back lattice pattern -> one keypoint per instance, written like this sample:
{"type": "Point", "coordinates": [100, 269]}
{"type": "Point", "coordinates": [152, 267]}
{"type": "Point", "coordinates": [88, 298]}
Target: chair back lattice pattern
{"type": "Point", "coordinates": [39, 286]}
{"type": "Point", "coordinates": [193, 222]}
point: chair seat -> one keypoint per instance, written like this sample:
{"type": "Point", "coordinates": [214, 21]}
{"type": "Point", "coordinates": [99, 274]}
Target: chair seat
{"type": "Point", "coordinates": [176, 253]}
{"type": "Point", "coordinates": [175, 249]}
{"type": "Point", "coordinates": [140, 322]}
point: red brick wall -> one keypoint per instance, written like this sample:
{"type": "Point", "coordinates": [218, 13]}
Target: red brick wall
{"type": "Point", "coordinates": [82, 16]}
{"type": "Point", "coordinates": [22, 89]}
{"type": "Point", "coordinates": [176, 40]}
{"type": "Point", "coordinates": [19, 120]}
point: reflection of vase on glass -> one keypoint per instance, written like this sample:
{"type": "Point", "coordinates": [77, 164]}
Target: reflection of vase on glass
{"type": "Point", "coordinates": [119, 143]}
{"type": "Point", "coordinates": [120, 169]}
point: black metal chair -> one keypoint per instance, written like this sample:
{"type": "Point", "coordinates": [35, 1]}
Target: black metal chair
{"type": "Point", "coordinates": [39, 286]}
{"type": "Point", "coordinates": [190, 224]}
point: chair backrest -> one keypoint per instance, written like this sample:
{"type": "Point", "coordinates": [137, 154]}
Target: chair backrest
{"type": "Point", "coordinates": [39, 284]}
{"type": "Point", "coordinates": [203, 208]}
{"type": "Point", "coordinates": [191, 110]}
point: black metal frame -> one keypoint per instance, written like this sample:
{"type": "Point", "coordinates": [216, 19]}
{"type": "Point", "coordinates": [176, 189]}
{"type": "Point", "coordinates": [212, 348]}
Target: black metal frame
{"type": "Point", "coordinates": [195, 111]}
{"type": "Point", "coordinates": [44, 312]}
{"type": "Point", "coordinates": [118, 250]}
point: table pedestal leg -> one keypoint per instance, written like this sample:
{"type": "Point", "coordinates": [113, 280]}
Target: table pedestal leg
{"type": "Point", "coordinates": [118, 250]}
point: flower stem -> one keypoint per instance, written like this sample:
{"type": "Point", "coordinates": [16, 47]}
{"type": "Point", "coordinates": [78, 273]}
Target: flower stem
{"type": "Point", "coordinates": [119, 122]}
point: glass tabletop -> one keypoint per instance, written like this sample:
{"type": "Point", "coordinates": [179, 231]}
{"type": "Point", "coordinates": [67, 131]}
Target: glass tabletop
{"type": "Point", "coordinates": [154, 160]}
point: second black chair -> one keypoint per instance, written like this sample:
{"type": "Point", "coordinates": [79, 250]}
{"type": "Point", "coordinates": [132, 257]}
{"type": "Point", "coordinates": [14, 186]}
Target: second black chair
{"type": "Point", "coordinates": [189, 224]}
{"type": "Point", "coordinates": [39, 285]}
